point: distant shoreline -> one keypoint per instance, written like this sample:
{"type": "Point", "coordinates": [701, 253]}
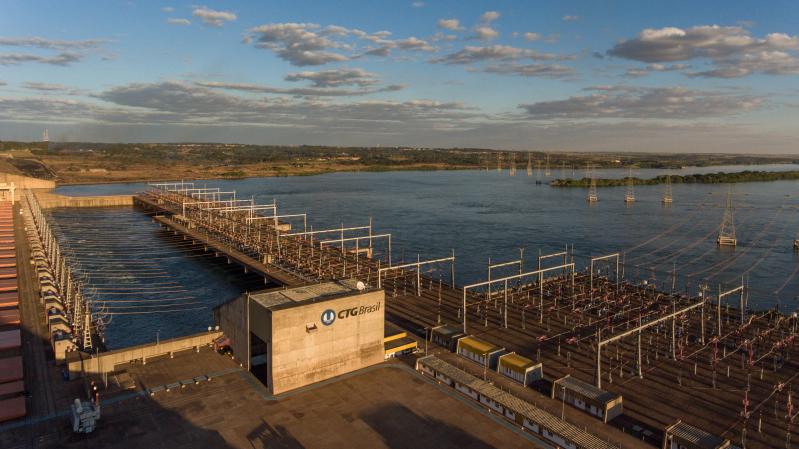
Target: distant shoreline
{"type": "Point", "coordinates": [374, 169]}
{"type": "Point", "coordinates": [700, 178]}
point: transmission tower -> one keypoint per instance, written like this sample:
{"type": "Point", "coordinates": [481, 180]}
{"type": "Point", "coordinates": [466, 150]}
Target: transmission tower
{"type": "Point", "coordinates": [513, 164]}
{"type": "Point", "coordinates": [546, 169]}
{"type": "Point", "coordinates": [592, 195]}
{"type": "Point", "coordinates": [629, 196]}
{"type": "Point", "coordinates": [529, 164]}
{"type": "Point", "coordinates": [87, 333]}
{"type": "Point", "coordinates": [727, 231]}
{"type": "Point", "coordinates": [667, 199]}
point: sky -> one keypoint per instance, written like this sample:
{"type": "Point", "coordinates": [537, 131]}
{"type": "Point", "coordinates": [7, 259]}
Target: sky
{"type": "Point", "coordinates": [617, 76]}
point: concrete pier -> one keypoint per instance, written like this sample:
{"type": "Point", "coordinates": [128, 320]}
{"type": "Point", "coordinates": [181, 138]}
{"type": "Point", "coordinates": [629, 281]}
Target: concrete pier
{"type": "Point", "coordinates": [49, 200]}
{"type": "Point", "coordinates": [83, 364]}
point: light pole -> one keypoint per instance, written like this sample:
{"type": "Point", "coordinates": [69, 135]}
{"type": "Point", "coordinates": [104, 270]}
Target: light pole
{"type": "Point", "coordinates": [563, 403]}
{"type": "Point", "coordinates": [425, 339]}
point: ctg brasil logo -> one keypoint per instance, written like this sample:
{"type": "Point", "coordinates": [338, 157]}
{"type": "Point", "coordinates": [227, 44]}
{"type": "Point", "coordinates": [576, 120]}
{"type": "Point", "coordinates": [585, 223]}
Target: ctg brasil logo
{"type": "Point", "coordinates": [328, 316]}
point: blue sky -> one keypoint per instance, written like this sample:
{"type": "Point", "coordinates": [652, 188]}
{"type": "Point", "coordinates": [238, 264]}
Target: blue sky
{"type": "Point", "coordinates": [587, 76]}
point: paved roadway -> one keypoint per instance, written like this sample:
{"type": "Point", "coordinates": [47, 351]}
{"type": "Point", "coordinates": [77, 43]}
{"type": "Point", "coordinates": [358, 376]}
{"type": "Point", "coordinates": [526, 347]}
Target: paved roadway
{"type": "Point", "coordinates": [37, 355]}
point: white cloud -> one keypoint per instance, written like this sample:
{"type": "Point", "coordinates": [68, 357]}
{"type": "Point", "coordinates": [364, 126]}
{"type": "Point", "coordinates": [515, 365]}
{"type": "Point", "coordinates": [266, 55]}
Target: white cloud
{"type": "Point", "coordinates": [450, 24]}
{"type": "Point", "coordinates": [299, 91]}
{"type": "Point", "coordinates": [336, 77]}
{"type": "Point", "coordinates": [732, 50]}
{"type": "Point", "coordinates": [471, 54]}
{"type": "Point", "coordinates": [182, 22]}
{"type": "Point", "coordinates": [168, 9]}
{"type": "Point", "coordinates": [299, 43]}
{"type": "Point", "coordinates": [644, 103]}
{"type": "Point", "coordinates": [535, 70]}
{"type": "Point", "coordinates": [61, 59]}
{"type": "Point", "coordinates": [180, 103]}
{"type": "Point", "coordinates": [417, 5]}
{"type": "Point", "coordinates": [175, 111]}
{"type": "Point", "coordinates": [67, 51]}
{"type": "Point", "coordinates": [768, 62]}
{"type": "Point", "coordinates": [439, 36]}
{"type": "Point", "coordinates": [570, 18]}
{"type": "Point", "coordinates": [485, 33]}
{"type": "Point", "coordinates": [304, 44]}
{"type": "Point", "coordinates": [48, 87]}
{"type": "Point", "coordinates": [51, 44]}
{"type": "Point", "coordinates": [489, 16]}
{"type": "Point", "coordinates": [212, 17]}
{"type": "Point", "coordinates": [530, 36]}
{"type": "Point", "coordinates": [638, 72]}
{"type": "Point", "coordinates": [412, 43]}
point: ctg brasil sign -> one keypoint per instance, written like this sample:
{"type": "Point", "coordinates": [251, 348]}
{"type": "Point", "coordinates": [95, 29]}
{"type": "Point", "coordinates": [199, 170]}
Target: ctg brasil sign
{"type": "Point", "coordinates": [329, 316]}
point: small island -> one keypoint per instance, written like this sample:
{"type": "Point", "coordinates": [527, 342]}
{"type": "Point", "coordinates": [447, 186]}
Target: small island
{"type": "Point", "coordinates": [699, 178]}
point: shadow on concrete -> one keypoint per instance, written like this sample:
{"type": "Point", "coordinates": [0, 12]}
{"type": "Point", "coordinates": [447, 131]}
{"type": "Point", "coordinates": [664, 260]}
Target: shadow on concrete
{"type": "Point", "coordinates": [132, 424]}
{"type": "Point", "coordinates": [401, 428]}
{"type": "Point", "coordinates": [277, 437]}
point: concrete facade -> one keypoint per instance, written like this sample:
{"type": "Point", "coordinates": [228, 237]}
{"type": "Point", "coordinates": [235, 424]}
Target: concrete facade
{"type": "Point", "coordinates": [231, 317]}
{"type": "Point", "coordinates": [302, 355]}
{"type": "Point", "coordinates": [26, 182]}
{"type": "Point", "coordinates": [306, 334]}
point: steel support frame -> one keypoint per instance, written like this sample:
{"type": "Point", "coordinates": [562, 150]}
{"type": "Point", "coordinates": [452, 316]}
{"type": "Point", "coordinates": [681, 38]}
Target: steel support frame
{"type": "Point", "coordinates": [418, 264]}
{"type": "Point", "coordinates": [638, 329]}
{"type": "Point", "coordinates": [600, 258]}
{"type": "Point", "coordinates": [739, 289]}
{"type": "Point", "coordinates": [504, 280]}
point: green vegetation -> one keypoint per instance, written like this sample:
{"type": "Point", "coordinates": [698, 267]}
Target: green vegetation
{"type": "Point", "coordinates": [703, 178]}
{"type": "Point", "coordinates": [234, 174]}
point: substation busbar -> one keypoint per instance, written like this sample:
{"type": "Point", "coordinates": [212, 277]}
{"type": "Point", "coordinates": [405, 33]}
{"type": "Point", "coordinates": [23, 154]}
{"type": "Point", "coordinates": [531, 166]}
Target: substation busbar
{"type": "Point", "coordinates": [357, 240]}
{"type": "Point", "coordinates": [492, 266]}
{"type": "Point", "coordinates": [418, 264]}
{"type": "Point", "coordinates": [638, 329]}
{"type": "Point", "coordinates": [600, 258]}
{"type": "Point", "coordinates": [538, 273]}
{"type": "Point", "coordinates": [722, 294]}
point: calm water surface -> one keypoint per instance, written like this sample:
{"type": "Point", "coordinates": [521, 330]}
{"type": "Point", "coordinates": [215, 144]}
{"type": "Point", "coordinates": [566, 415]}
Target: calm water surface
{"type": "Point", "coordinates": [483, 214]}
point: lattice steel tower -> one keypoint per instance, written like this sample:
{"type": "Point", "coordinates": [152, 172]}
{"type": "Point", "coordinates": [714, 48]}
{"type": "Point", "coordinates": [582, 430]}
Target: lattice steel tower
{"type": "Point", "coordinates": [529, 164]}
{"type": "Point", "coordinates": [727, 230]}
{"type": "Point", "coordinates": [546, 170]}
{"type": "Point", "coordinates": [667, 199]}
{"type": "Point", "coordinates": [629, 196]}
{"type": "Point", "coordinates": [592, 195]}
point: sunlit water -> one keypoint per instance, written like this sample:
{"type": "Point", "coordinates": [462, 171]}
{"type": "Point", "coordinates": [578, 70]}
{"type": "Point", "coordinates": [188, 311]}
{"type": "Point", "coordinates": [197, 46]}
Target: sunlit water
{"type": "Point", "coordinates": [483, 214]}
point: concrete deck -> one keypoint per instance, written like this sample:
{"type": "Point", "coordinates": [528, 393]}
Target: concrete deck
{"type": "Point", "coordinates": [380, 407]}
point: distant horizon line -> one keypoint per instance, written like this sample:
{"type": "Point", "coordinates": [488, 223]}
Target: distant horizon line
{"type": "Point", "coordinates": [604, 152]}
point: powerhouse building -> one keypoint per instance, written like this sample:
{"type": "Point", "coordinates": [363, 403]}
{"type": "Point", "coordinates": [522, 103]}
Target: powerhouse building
{"type": "Point", "coordinates": [290, 338]}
